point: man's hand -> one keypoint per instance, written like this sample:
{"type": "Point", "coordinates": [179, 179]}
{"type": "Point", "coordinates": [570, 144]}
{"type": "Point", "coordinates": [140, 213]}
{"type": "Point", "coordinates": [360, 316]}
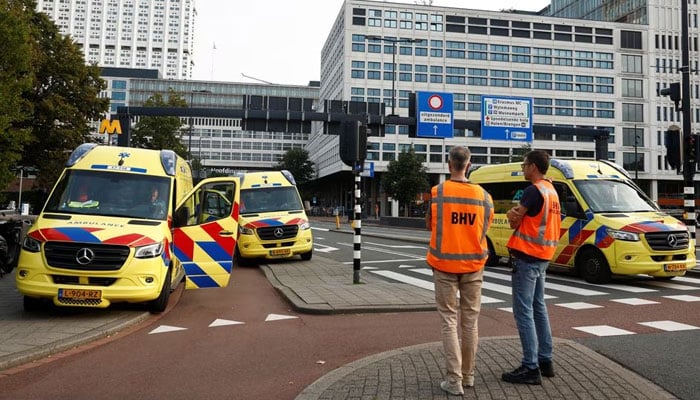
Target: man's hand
{"type": "Point", "coordinates": [515, 216]}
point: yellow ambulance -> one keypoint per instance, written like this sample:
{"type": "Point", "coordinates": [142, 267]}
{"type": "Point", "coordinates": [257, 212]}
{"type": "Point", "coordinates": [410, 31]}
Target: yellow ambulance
{"type": "Point", "coordinates": [126, 225]}
{"type": "Point", "coordinates": [609, 226]}
{"type": "Point", "coordinates": [272, 222]}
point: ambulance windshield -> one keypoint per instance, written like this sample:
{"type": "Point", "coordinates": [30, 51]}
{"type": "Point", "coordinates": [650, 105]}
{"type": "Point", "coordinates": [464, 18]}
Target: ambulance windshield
{"type": "Point", "coordinates": [613, 196]}
{"type": "Point", "coordinates": [108, 193]}
{"type": "Point", "coordinates": [270, 199]}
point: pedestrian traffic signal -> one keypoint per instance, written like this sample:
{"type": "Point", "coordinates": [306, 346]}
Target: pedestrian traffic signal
{"type": "Point", "coordinates": [674, 92]}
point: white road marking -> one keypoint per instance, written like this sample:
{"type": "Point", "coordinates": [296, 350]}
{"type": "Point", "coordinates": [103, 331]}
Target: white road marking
{"type": "Point", "coordinates": [384, 261]}
{"type": "Point", "coordinates": [507, 309]}
{"type": "Point", "coordinates": [166, 328]}
{"type": "Point", "coordinates": [623, 288]}
{"type": "Point", "coordinates": [323, 248]}
{"type": "Point", "coordinates": [277, 317]}
{"type": "Point", "coordinates": [224, 322]}
{"type": "Point", "coordinates": [603, 330]}
{"type": "Point", "coordinates": [578, 305]}
{"type": "Point", "coordinates": [369, 268]}
{"type": "Point", "coordinates": [484, 285]}
{"type": "Point", "coordinates": [669, 326]}
{"type": "Point", "coordinates": [320, 229]}
{"type": "Point", "coordinates": [423, 283]}
{"type": "Point", "coordinates": [683, 297]}
{"type": "Point", "coordinates": [669, 285]}
{"type": "Point", "coordinates": [385, 251]}
{"type": "Point", "coordinates": [551, 286]}
{"type": "Point", "coordinates": [686, 279]}
{"type": "Point", "coordinates": [634, 301]}
{"type": "Point", "coordinates": [407, 246]}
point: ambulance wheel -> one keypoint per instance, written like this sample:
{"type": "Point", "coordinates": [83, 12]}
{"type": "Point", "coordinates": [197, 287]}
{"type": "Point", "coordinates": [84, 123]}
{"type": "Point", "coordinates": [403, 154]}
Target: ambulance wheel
{"type": "Point", "coordinates": [593, 267]}
{"type": "Point", "coordinates": [242, 261]}
{"type": "Point", "coordinates": [32, 304]}
{"type": "Point", "coordinates": [159, 304]}
{"type": "Point", "coordinates": [493, 258]}
{"type": "Point", "coordinates": [307, 256]}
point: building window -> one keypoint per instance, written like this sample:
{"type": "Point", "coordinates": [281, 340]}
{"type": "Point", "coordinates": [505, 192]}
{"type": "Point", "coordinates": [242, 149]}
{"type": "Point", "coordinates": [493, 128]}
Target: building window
{"type": "Point", "coordinates": [633, 112]}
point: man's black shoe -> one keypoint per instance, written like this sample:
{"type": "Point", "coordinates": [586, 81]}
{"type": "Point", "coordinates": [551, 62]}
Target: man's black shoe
{"type": "Point", "coordinates": [523, 375]}
{"type": "Point", "coordinates": [547, 369]}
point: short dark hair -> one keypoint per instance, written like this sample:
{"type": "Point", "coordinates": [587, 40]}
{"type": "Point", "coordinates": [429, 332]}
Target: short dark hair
{"type": "Point", "coordinates": [540, 158]}
{"type": "Point", "coordinates": [459, 157]}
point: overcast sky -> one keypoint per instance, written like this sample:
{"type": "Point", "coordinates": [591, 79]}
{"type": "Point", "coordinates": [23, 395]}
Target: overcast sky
{"type": "Point", "coordinates": [280, 41]}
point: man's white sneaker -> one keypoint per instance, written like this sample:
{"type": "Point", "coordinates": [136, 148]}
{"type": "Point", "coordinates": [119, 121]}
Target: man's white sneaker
{"type": "Point", "coordinates": [468, 381]}
{"type": "Point", "coordinates": [452, 388]}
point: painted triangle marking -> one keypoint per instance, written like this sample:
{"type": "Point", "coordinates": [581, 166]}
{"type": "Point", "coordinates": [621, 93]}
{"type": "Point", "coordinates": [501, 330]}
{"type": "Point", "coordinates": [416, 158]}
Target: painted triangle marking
{"type": "Point", "coordinates": [166, 328]}
{"type": "Point", "coordinates": [369, 268]}
{"type": "Point", "coordinates": [224, 322]}
{"type": "Point", "coordinates": [277, 317]}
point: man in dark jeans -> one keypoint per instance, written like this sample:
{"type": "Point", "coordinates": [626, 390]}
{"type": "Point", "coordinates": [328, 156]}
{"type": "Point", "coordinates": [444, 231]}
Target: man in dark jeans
{"type": "Point", "coordinates": [536, 221]}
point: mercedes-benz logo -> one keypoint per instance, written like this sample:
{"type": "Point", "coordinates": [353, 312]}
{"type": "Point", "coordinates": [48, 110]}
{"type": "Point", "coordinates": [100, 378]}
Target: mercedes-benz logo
{"type": "Point", "coordinates": [279, 232]}
{"type": "Point", "coordinates": [84, 256]}
{"type": "Point", "coordinates": [672, 240]}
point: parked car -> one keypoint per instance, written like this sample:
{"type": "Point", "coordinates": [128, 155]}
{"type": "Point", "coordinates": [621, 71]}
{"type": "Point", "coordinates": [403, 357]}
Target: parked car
{"type": "Point", "coordinates": [10, 237]}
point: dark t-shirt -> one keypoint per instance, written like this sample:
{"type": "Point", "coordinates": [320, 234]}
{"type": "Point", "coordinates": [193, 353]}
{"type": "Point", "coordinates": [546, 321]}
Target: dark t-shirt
{"type": "Point", "coordinates": [532, 200]}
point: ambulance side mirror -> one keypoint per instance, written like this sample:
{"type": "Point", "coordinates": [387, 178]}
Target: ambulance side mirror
{"type": "Point", "coordinates": [181, 216]}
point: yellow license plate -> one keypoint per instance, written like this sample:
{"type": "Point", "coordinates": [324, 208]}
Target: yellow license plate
{"type": "Point", "coordinates": [674, 267]}
{"type": "Point", "coordinates": [279, 252]}
{"type": "Point", "coordinates": [80, 294]}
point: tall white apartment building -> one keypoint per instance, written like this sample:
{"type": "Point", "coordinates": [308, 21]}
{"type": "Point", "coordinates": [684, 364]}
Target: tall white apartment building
{"type": "Point", "coordinates": [144, 34]}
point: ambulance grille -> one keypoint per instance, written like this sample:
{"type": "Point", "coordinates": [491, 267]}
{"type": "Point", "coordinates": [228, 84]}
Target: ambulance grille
{"type": "Point", "coordinates": [287, 231]}
{"type": "Point", "coordinates": [667, 240]}
{"type": "Point", "coordinates": [74, 280]}
{"type": "Point", "coordinates": [86, 256]}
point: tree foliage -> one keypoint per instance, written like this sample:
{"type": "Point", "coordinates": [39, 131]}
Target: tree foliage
{"type": "Point", "coordinates": [50, 96]}
{"type": "Point", "coordinates": [162, 132]}
{"type": "Point", "coordinates": [405, 178]}
{"type": "Point", "coordinates": [296, 160]}
{"type": "Point", "coordinates": [15, 79]}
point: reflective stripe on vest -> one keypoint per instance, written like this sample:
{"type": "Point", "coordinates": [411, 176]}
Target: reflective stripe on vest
{"type": "Point", "coordinates": [531, 237]}
{"type": "Point", "coordinates": [439, 254]}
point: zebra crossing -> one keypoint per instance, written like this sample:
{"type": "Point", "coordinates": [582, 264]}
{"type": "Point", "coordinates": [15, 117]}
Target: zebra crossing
{"type": "Point", "coordinates": [560, 290]}
{"type": "Point", "coordinates": [497, 288]}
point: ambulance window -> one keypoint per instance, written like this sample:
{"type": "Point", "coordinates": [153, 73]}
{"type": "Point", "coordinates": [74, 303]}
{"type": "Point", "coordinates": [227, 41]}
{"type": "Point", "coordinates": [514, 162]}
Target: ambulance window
{"type": "Point", "coordinates": [505, 195]}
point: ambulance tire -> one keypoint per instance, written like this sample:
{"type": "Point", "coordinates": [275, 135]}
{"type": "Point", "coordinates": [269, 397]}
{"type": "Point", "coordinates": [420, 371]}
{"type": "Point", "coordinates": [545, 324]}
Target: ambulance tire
{"type": "Point", "coordinates": [32, 304]}
{"type": "Point", "coordinates": [159, 305]}
{"type": "Point", "coordinates": [307, 256]}
{"type": "Point", "coordinates": [593, 267]}
{"type": "Point", "coordinates": [493, 258]}
{"type": "Point", "coordinates": [242, 261]}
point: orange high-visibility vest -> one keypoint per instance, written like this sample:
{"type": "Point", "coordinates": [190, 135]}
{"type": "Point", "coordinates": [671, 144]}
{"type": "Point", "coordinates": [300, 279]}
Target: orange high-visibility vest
{"type": "Point", "coordinates": [460, 216]}
{"type": "Point", "coordinates": [538, 236]}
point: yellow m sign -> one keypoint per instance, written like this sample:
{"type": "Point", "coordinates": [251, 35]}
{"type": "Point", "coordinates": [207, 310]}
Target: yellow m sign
{"type": "Point", "coordinates": [107, 126]}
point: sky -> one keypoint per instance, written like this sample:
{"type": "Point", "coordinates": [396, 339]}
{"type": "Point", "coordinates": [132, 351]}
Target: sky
{"type": "Point", "coordinates": [280, 41]}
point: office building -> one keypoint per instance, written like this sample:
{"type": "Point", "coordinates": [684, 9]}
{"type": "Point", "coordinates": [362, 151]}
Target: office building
{"type": "Point", "coordinates": [579, 73]}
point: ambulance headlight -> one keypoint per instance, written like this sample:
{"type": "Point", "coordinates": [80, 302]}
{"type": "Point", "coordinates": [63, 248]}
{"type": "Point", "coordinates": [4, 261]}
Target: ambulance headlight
{"type": "Point", "coordinates": [245, 231]}
{"type": "Point", "coordinates": [150, 251]}
{"type": "Point", "coordinates": [623, 235]}
{"type": "Point", "coordinates": [304, 226]}
{"type": "Point", "coordinates": [31, 244]}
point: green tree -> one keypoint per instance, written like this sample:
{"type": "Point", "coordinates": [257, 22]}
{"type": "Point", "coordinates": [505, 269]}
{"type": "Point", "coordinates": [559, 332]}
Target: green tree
{"type": "Point", "coordinates": [65, 97]}
{"type": "Point", "coordinates": [519, 153]}
{"type": "Point", "coordinates": [55, 95]}
{"type": "Point", "coordinates": [405, 178]}
{"type": "Point", "coordinates": [296, 160]}
{"type": "Point", "coordinates": [15, 79]}
{"type": "Point", "coordinates": [161, 132]}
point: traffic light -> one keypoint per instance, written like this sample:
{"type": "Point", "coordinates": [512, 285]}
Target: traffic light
{"type": "Point", "coordinates": [674, 92]}
{"type": "Point", "coordinates": [672, 141]}
{"type": "Point", "coordinates": [690, 149]}
{"type": "Point", "coordinates": [353, 143]}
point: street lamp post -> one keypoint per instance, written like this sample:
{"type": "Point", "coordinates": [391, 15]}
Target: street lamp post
{"type": "Point", "coordinates": [189, 139]}
{"type": "Point", "coordinates": [394, 41]}
{"type": "Point", "coordinates": [636, 157]}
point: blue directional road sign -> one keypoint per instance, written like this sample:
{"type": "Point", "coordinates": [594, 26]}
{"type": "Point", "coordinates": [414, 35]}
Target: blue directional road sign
{"type": "Point", "coordinates": [506, 118]}
{"type": "Point", "coordinates": [434, 115]}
